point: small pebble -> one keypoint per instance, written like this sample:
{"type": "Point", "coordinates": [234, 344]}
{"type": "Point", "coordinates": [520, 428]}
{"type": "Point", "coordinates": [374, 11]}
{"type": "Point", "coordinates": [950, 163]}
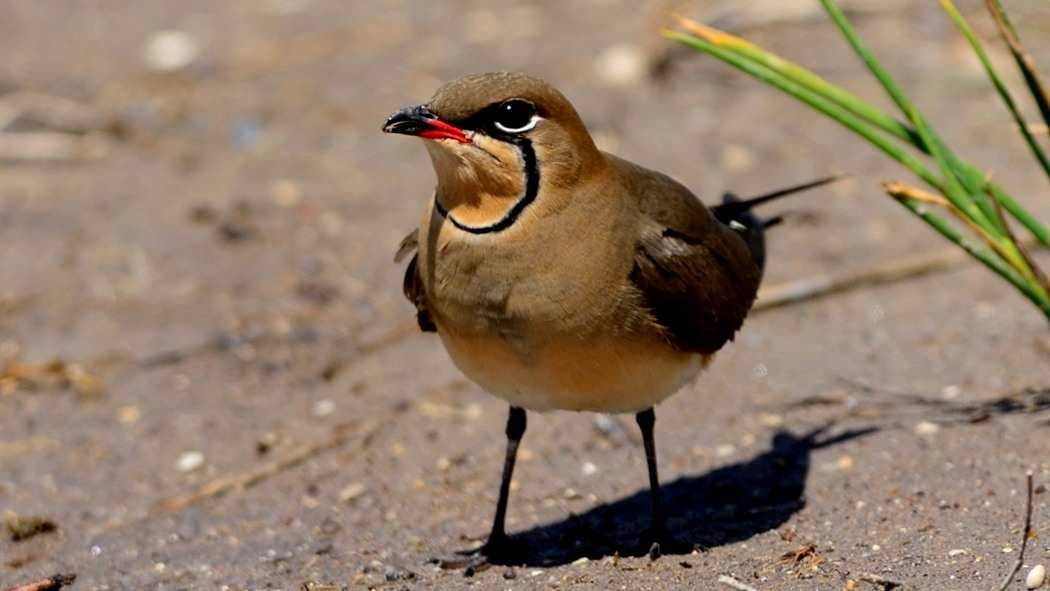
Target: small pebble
{"type": "Point", "coordinates": [770, 420]}
{"type": "Point", "coordinates": [621, 64]}
{"type": "Point", "coordinates": [1036, 577]}
{"type": "Point", "coordinates": [589, 468]}
{"type": "Point", "coordinates": [285, 193]}
{"type": "Point", "coordinates": [725, 450]}
{"type": "Point", "coordinates": [190, 461]}
{"type": "Point", "coordinates": [169, 51]}
{"type": "Point", "coordinates": [246, 132]}
{"type": "Point", "coordinates": [323, 408]}
{"type": "Point", "coordinates": [128, 414]}
{"type": "Point", "coordinates": [738, 158]}
{"type": "Point", "coordinates": [927, 428]}
{"type": "Point", "coordinates": [611, 429]}
{"type": "Point", "coordinates": [351, 492]}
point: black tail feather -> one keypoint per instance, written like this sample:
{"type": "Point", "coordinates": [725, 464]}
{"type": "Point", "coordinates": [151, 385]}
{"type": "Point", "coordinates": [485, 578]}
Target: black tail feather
{"type": "Point", "coordinates": [732, 205]}
{"type": "Point", "coordinates": [736, 213]}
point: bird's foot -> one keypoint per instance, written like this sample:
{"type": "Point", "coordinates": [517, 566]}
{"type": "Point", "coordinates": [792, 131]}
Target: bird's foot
{"type": "Point", "coordinates": [497, 551]}
{"type": "Point", "coordinates": [663, 543]}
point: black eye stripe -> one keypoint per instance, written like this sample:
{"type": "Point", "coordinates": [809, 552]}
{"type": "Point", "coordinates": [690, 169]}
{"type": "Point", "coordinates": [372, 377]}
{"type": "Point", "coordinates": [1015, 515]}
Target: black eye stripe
{"type": "Point", "coordinates": [505, 120]}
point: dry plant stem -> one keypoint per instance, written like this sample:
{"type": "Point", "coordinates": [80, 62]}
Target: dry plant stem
{"type": "Point", "coordinates": [1024, 539]}
{"type": "Point", "coordinates": [902, 191]}
{"type": "Point", "coordinates": [1024, 59]}
{"type": "Point", "coordinates": [822, 285]}
{"type": "Point", "coordinates": [53, 146]}
{"type": "Point", "coordinates": [52, 583]}
{"type": "Point", "coordinates": [960, 182]}
{"type": "Point", "coordinates": [1037, 271]}
{"type": "Point", "coordinates": [1006, 246]}
{"type": "Point", "coordinates": [250, 478]}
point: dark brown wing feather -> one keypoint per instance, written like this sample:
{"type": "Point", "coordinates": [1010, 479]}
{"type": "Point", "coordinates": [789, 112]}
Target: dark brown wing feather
{"type": "Point", "coordinates": [697, 276]}
{"type": "Point", "coordinates": [413, 284]}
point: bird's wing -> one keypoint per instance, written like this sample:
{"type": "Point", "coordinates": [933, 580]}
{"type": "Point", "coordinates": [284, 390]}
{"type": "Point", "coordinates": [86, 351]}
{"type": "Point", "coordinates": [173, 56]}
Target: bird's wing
{"type": "Point", "coordinates": [697, 276]}
{"type": "Point", "coordinates": [413, 284]}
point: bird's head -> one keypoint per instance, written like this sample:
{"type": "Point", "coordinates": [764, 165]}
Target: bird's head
{"type": "Point", "coordinates": [496, 141]}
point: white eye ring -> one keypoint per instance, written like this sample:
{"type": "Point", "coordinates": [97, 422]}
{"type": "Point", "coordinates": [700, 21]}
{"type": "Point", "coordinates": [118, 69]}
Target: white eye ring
{"type": "Point", "coordinates": [532, 123]}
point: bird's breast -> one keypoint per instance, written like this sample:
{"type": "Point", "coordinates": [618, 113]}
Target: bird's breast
{"type": "Point", "coordinates": [545, 316]}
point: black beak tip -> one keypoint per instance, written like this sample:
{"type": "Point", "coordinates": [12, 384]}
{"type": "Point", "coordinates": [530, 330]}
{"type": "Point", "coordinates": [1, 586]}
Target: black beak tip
{"type": "Point", "coordinates": [408, 121]}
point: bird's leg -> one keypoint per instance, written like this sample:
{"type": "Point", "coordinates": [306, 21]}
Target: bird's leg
{"type": "Point", "coordinates": [515, 431]}
{"type": "Point", "coordinates": [662, 541]}
{"type": "Point", "coordinates": [498, 549]}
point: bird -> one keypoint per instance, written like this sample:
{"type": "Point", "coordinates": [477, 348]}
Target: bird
{"type": "Point", "coordinates": [559, 276]}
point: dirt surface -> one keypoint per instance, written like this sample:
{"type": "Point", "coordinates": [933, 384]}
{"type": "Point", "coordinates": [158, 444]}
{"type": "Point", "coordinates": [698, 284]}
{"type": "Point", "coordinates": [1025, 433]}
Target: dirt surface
{"type": "Point", "coordinates": [241, 399]}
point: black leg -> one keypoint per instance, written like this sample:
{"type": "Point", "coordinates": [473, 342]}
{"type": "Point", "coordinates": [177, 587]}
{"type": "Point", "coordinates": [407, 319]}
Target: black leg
{"type": "Point", "coordinates": [662, 542]}
{"type": "Point", "coordinates": [498, 549]}
{"type": "Point", "coordinates": [646, 421]}
{"type": "Point", "coordinates": [515, 431]}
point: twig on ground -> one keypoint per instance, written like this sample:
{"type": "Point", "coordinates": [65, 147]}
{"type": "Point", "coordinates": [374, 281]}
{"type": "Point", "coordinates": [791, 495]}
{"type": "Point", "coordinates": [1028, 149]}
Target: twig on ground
{"type": "Point", "coordinates": [1024, 538]}
{"type": "Point", "coordinates": [734, 583]}
{"type": "Point", "coordinates": [826, 284]}
{"type": "Point", "coordinates": [15, 374]}
{"type": "Point", "coordinates": [250, 478]}
{"type": "Point", "coordinates": [52, 583]}
{"type": "Point", "coordinates": [51, 112]}
{"type": "Point", "coordinates": [68, 130]}
{"type": "Point", "coordinates": [888, 272]}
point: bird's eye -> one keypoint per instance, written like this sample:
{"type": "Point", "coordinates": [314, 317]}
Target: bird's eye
{"type": "Point", "coordinates": [515, 116]}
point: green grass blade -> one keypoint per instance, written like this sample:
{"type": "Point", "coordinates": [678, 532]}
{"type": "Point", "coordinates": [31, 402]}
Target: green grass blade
{"type": "Point", "coordinates": [1033, 225]}
{"type": "Point", "coordinates": [952, 187]}
{"type": "Point", "coordinates": [976, 249]}
{"type": "Point", "coordinates": [864, 128]}
{"type": "Point", "coordinates": [800, 76]}
{"type": "Point", "coordinates": [1032, 77]}
{"type": "Point", "coordinates": [861, 126]}
{"type": "Point", "coordinates": [997, 82]}
{"type": "Point", "coordinates": [970, 196]}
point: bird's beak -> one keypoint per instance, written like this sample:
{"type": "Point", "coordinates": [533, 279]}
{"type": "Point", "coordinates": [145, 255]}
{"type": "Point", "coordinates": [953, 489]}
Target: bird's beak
{"type": "Point", "coordinates": [420, 121]}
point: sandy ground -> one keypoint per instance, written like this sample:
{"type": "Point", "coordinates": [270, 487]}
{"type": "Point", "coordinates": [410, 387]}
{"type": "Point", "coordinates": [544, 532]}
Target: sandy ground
{"type": "Point", "coordinates": [245, 402]}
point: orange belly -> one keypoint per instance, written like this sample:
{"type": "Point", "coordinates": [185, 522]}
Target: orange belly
{"type": "Point", "coordinates": [613, 376]}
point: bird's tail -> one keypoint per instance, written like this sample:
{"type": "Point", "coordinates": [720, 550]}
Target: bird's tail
{"type": "Point", "coordinates": [736, 213]}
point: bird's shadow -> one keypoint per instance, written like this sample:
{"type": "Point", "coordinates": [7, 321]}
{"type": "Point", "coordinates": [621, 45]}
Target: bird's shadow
{"type": "Point", "coordinates": [725, 505]}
